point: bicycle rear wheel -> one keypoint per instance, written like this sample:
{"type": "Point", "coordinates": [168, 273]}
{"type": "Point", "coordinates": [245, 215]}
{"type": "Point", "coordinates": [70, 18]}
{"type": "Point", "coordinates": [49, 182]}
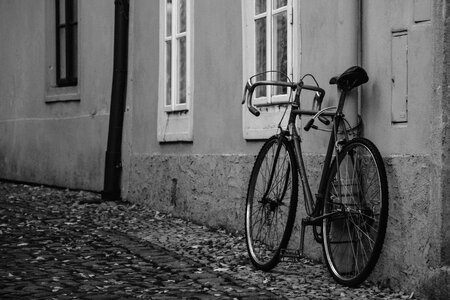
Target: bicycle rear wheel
{"type": "Point", "coordinates": [357, 201]}
{"type": "Point", "coordinates": [271, 203]}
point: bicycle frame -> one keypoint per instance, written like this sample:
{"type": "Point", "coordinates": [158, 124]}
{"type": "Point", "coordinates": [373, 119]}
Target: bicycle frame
{"type": "Point", "coordinates": [338, 118]}
{"type": "Point", "coordinates": [315, 217]}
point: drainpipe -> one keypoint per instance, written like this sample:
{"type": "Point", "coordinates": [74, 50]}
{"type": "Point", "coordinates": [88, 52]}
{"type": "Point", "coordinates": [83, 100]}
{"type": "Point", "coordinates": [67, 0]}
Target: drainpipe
{"type": "Point", "coordinates": [360, 53]}
{"type": "Point", "coordinates": [349, 39]}
{"type": "Point", "coordinates": [113, 159]}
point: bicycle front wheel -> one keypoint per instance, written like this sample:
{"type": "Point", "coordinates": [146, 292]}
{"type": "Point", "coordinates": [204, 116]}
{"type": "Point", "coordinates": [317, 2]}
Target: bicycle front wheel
{"type": "Point", "coordinates": [356, 203]}
{"type": "Point", "coordinates": [271, 203]}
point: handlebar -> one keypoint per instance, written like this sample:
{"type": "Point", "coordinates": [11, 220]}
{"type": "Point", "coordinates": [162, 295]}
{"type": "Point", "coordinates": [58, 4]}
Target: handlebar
{"type": "Point", "coordinates": [250, 88]}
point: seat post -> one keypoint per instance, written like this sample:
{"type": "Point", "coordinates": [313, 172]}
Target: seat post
{"type": "Point", "coordinates": [341, 102]}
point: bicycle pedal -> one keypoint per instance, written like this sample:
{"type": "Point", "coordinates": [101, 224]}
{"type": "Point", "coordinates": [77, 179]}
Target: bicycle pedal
{"type": "Point", "coordinates": [290, 255]}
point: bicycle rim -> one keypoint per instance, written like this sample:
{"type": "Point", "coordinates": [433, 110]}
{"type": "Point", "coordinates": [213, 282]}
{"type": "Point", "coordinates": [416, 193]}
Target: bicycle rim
{"type": "Point", "coordinates": [358, 198]}
{"type": "Point", "coordinates": [270, 212]}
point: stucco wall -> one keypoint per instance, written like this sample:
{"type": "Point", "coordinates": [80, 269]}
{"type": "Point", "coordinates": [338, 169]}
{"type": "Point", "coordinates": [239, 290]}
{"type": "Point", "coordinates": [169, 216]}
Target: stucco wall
{"type": "Point", "coordinates": [418, 238]}
{"type": "Point", "coordinates": [218, 81]}
{"type": "Point", "coordinates": [59, 143]}
{"type": "Point", "coordinates": [382, 21]}
{"type": "Point", "coordinates": [442, 91]}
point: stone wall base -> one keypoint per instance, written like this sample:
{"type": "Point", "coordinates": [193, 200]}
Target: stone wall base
{"type": "Point", "coordinates": [211, 190]}
{"type": "Point", "coordinates": [437, 285]}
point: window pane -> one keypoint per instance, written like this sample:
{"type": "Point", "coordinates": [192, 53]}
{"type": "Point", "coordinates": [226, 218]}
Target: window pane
{"type": "Point", "coordinates": [280, 47]}
{"type": "Point", "coordinates": [168, 73]}
{"type": "Point", "coordinates": [169, 18]}
{"type": "Point", "coordinates": [182, 16]}
{"type": "Point", "coordinates": [66, 42]}
{"type": "Point", "coordinates": [261, 52]}
{"type": "Point", "coordinates": [260, 6]}
{"type": "Point", "coordinates": [182, 70]}
{"type": "Point", "coordinates": [279, 3]}
{"type": "Point", "coordinates": [62, 53]}
{"type": "Point", "coordinates": [74, 58]}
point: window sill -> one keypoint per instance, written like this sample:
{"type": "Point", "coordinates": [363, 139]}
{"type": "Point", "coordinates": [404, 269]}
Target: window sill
{"type": "Point", "coordinates": [62, 94]}
{"type": "Point", "coordinates": [175, 126]}
{"type": "Point", "coordinates": [178, 109]}
{"type": "Point", "coordinates": [179, 112]}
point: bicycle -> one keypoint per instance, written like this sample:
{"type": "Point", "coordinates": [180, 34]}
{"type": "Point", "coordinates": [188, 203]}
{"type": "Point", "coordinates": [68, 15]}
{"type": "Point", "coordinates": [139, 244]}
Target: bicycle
{"type": "Point", "coordinates": [349, 212]}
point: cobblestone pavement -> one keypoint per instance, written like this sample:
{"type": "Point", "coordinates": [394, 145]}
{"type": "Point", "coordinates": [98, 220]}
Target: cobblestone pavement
{"type": "Point", "coordinates": [57, 244]}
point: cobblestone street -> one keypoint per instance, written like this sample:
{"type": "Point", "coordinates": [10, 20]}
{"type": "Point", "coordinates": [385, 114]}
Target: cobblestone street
{"type": "Point", "coordinates": [59, 244]}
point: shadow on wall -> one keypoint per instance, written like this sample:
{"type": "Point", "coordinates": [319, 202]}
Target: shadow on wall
{"type": "Point", "coordinates": [437, 286]}
{"type": "Point", "coordinates": [410, 249]}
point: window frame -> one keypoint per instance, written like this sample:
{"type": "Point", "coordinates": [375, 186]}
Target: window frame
{"type": "Point", "coordinates": [53, 92]}
{"type": "Point", "coordinates": [269, 15]}
{"type": "Point", "coordinates": [70, 27]}
{"type": "Point", "coordinates": [262, 127]}
{"type": "Point", "coordinates": [174, 38]}
{"type": "Point", "coordinates": [175, 120]}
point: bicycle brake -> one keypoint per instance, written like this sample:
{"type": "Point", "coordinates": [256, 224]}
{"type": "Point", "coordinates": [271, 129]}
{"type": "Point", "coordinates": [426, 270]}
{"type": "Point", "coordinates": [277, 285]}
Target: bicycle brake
{"type": "Point", "coordinates": [339, 144]}
{"type": "Point", "coordinates": [310, 125]}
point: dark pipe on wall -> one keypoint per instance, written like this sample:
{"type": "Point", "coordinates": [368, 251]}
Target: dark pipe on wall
{"type": "Point", "coordinates": [113, 159]}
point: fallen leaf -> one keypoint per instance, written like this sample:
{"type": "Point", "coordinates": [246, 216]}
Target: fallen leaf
{"type": "Point", "coordinates": [221, 269]}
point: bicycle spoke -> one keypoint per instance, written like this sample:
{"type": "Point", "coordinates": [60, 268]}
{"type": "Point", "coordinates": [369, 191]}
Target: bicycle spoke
{"type": "Point", "coordinates": [352, 244]}
{"type": "Point", "coordinates": [270, 203]}
{"type": "Point", "coordinates": [277, 181]}
{"type": "Point", "coordinates": [350, 236]}
{"type": "Point", "coordinates": [361, 231]}
{"type": "Point", "coordinates": [258, 231]}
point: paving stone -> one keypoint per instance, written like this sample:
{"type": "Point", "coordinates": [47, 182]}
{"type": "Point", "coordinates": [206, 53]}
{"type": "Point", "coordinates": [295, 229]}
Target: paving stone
{"type": "Point", "coordinates": [53, 246]}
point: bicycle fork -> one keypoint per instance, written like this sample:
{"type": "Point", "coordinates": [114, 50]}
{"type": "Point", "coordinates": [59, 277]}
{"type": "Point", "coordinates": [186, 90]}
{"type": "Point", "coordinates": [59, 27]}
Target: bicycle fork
{"type": "Point", "coordinates": [274, 166]}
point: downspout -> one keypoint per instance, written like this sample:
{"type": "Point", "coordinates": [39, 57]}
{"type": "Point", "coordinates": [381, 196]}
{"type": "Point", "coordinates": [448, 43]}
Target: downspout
{"type": "Point", "coordinates": [360, 49]}
{"type": "Point", "coordinates": [113, 159]}
{"type": "Point", "coordinates": [349, 54]}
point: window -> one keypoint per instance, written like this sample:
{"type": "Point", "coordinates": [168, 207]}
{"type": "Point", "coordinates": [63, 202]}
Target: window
{"type": "Point", "coordinates": [175, 43]}
{"type": "Point", "coordinates": [62, 41]}
{"type": "Point", "coordinates": [271, 44]}
{"type": "Point", "coordinates": [174, 113]}
{"type": "Point", "coordinates": [269, 40]}
{"type": "Point", "coordinates": [66, 42]}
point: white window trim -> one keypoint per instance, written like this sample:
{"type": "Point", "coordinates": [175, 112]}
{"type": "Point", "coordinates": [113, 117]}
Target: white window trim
{"type": "Point", "coordinates": [266, 124]}
{"type": "Point", "coordinates": [175, 122]}
{"type": "Point", "coordinates": [54, 93]}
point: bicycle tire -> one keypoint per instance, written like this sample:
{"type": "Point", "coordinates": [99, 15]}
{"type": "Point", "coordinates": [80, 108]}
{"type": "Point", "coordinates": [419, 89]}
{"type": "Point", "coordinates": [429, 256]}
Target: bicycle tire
{"type": "Point", "coordinates": [278, 207]}
{"type": "Point", "coordinates": [353, 238]}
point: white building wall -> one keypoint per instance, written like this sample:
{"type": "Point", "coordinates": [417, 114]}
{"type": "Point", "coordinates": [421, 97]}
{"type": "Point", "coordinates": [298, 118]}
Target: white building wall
{"type": "Point", "coordinates": [46, 138]}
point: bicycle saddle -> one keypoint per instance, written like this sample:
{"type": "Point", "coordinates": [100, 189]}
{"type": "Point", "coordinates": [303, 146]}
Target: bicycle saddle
{"type": "Point", "coordinates": [351, 78]}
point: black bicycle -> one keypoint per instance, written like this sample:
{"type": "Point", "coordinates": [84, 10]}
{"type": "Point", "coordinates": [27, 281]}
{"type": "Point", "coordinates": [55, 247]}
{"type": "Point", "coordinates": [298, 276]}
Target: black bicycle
{"type": "Point", "coordinates": [349, 212]}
